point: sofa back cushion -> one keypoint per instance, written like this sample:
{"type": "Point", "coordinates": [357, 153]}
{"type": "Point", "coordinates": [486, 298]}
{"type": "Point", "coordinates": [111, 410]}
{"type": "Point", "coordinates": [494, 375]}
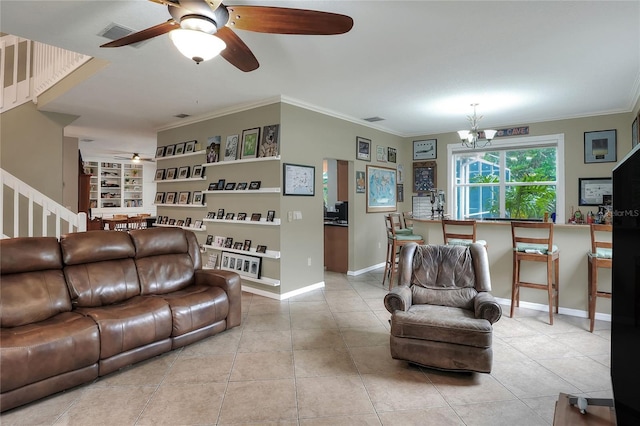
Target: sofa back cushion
{"type": "Point", "coordinates": [166, 259]}
{"type": "Point", "coordinates": [99, 267]}
{"type": "Point", "coordinates": [443, 275]}
{"type": "Point", "coordinates": [32, 287]}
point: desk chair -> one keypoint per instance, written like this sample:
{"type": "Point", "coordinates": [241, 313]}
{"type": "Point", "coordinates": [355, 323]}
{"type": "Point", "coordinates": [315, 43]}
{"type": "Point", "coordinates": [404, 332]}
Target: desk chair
{"type": "Point", "coordinates": [533, 241]}
{"type": "Point", "coordinates": [600, 256]}
{"type": "Point", "coordinates": [460, 232]}
{"type": "Point", "coordinates": [396, 238]}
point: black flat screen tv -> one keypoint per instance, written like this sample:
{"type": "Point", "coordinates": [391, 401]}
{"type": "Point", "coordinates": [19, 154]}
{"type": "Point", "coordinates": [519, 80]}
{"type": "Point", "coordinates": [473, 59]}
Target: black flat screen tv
{"type": "Point", "coordinates": [625, 298]}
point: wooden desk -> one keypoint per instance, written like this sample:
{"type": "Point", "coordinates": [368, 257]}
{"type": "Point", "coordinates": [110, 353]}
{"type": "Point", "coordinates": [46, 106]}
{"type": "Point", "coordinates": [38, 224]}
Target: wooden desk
{"type": "Point", "coordinates": [569, 415]}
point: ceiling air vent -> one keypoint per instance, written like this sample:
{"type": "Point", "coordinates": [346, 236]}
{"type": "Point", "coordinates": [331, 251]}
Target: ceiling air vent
{"type": "Point", "coordinates": [373, 119]}
{"type": "Point", "coordinates": [181, 115]}
{"type": "Point", "coordinates": [116, 31]}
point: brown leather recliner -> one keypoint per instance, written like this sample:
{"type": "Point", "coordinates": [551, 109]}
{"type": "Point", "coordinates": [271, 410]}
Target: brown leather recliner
{"type": "Point", "coordinates": [442, 311]}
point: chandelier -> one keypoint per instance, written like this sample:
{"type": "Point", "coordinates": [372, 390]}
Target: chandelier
{"type": "Point", "coordinates": [476, 138]}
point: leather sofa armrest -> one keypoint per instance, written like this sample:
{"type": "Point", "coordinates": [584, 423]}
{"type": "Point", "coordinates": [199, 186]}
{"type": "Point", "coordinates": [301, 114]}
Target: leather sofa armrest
{"type": "Point", "coordinates": [398, 299]}
{"type": "Point", "coordinates": [230, 282]}
{"type": "Point", "coordinates": [485, 306]}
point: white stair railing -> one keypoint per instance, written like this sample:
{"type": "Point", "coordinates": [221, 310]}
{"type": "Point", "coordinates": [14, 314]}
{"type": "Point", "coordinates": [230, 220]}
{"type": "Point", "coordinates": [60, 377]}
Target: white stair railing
{"type": "Point", "coordinates": [33, 213]}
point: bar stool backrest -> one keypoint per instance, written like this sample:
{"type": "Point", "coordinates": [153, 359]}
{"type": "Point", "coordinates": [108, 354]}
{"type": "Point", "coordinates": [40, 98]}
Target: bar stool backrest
{"type": "Point", "coordinates": [528, 234]}
{"type": "Point", "coordinates": [458, 230]}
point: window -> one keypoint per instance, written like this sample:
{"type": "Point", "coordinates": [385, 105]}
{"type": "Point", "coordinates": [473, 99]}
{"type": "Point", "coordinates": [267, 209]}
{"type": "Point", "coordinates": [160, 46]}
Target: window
{"type": "Point", "coordinates": [519, 178]}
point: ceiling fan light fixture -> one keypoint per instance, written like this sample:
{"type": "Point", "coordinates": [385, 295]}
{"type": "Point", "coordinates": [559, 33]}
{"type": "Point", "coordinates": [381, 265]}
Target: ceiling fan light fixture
{"type": "Point", "coordinates": [135, 158]}
{"type": "Point", "coordinates": [198, 23]}
{"type": "Point", "coordinates": [197, 45]}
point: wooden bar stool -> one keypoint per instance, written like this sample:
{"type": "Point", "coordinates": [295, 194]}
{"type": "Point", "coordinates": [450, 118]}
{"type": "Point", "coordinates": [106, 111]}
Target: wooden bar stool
{"type": "Point", "coordinates": [529, 245]}
{"type": "Point", "coordinates": [460, 232]}
{"type": "Point", "coordinates": [600, 256]}
{"type": "Point", "coordinates": [396, 238]}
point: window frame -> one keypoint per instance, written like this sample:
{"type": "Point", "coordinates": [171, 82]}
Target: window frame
{"type": "Point", "coordinates": [526, 142]}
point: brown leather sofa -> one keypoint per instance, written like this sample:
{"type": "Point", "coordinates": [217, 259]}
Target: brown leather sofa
{"type": "Point", "coordinates": [442, 311]}
{"type": "Point", "coordinates": [97, 301]}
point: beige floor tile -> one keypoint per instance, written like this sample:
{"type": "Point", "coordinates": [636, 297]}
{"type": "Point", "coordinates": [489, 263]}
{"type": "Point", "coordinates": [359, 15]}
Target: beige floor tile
{"type": "Point", "coordinates": [149, 372]}
{"type": "Point", "coordinates": [373, 336]}
{"type": "Point", "coordinates": [544, 406]}
{"type": "Point", "coordinates": [582, 372]}
{"type": "Point", "coordinates": [222, 343]}
{"type": "Point", "coordinates": [360, 420]}
{"type": "Point", "coordinates": [200, 369]}
{"type": "Point", "coordinates": [315, 319]}
{"type": "Point", "coordinates": [259, 402]}
{"type": "Point", "coordinates": [528, 379]}
{"type": "Point", "coordinates": [439, 416]}
{"type": "Point", "coordinates": [348, 305]}
{"type": "Point", "coordinates": [356, 319]}
{"type": "Point", "coordinates": [377, 359]}
{"type": "Point", "coordinates": [317, 338]}
{"type": "Point", "coordinates": [337, 295]}
{"type": "Point", "coordinates": [265, 341]}
{"type": "Point", "coordinates": [503, 352]}
{"type": "Point", "coordinates": [268, 322]}
{"type": "Point", "coordinates": [468, 388]}
{"type": "Point", "coordinates": [45, 411]}
{"type": "Point", "coordinates": [375, 303]}
{"type": "Point", "coordinates": [312, 296]}
{"type": "Point", "coordinates": [540, 347]}
{"type": "Point", "coordinates": [509, 327]}
{"type": "Point", "coordinates": [499, 413]}
{"type": "Point", "coordinates": [323, 362]}
{"type": "Point", "coordinates": [584, 342]}
{"type": "Point", "coordinates": [262, 365]}
{"type": "Point", "coordinates": [332, 396]}
{"type": "Point", "coordinates": [307, 307]}
{"type": "Point", "coordinates": [272, 307]}
{"type": "Point", "coordinates": [406, 390]}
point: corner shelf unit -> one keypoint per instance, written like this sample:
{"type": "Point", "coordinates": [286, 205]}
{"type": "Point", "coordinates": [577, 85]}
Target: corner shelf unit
{"type": "Point", "coordinates": [114, 184]}
{"type": "Point", "coordinates": [189, 154]}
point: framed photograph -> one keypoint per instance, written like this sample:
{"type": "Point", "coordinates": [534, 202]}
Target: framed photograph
{"type": "Point", "coordinates": [242, 216]}
{"type": "Point", "coordinates": [363, 149]}
{"type": "Point", "coordinates": [171, 173]}
{"type": "Point", "coordinates": [271, 214]}
{"type": "Point", "coordinates": [212, 186]}
{"type": "Point", "coordinates": [159, 198]}
{"type": "Point", "coordinates": [241, 186]}
{"type": "Point", "coordinates": [228, 242]}
{"type": "Point", "coordinates": [187, 222]}
{"type": "Point", "coordinates": [218, 241]}
{"type": "Point", "coordinates": [183, 197]}
{"type": "Point", "coordinates": [229, 216]}
{"type": "Point", "coordinates": [220, 214]}
{"type": "Point", "coordinates": [424, 176]}
{"type": "Point", "coordinates": [600, 147]}
{"type": "Point", "coordinates": [160, 151]}
{"type": "Point", "coordinates": [361, 185]}
{"type": "Point", "coordinates": [237, 245]}
{"type": "Point", "coordinates": [255, 185]}
{"type": "Point", "coordinates": [230, 186]}
{"type": "Point", "coordinates": [242, 264]}
{"type": "Point", "coordinates": [183, 172]}
{"type": "Point", "coordinates": [179, 148]}
{"type": "Point", "coordinates": [381, 189]}
{"type": "Point", "coordinates": [196, 172]}
{"type": "Point", "coordinates": [180, 222]}
{"type": "Point", "coordinates": [165, 220]}
{"type": "Point", "coordinates": [391, 155]}
{"type": "Point", "coordinates": [231, 148]}
{"type": "Point", "coordinates": [172, 222]}
{"type": "Point", "coordinates": [256, 217]}
{"type": "Point", "coordinates": [159, 174]}
{"type": "Point", "coordinates": [250, 138]}
{"type": "Point", "coordinates": [592, 190]}
{"type": "Point", "coordinates": [270, 141]}
{"type": "Point", "coordinates": [261, 249]}
{"type": "Point", "coordinates": [425, 149]}
{"type": "Point", "coordinates": [171, 198]}
{"type": "Point", "coordinates": [189, 147]}
{"type": "Point", "coordinates": [169, 150]}
{"type": "Point", "coordinates": [400, 192]}
{"type": "Point", "coordinates": [211, 215]}
{"type": "Point", "coordinates": [197, 197]}
{"type": "Point", "coordinates": [212, 261]}
{"type": "Point", "coordinates": [635, 132]}
{"type": "Point", "coordinates": [298, 179]}
{"type": "Point", "coordinates": [213, 149]}
{"type": "Point", "coordinates": [381, 154]}
{"type": "Point", "coordinates": [159, 220]}
{"type": "Point", "coordinates": [247, 245]}
{"type": "Point", "coordinates": [221, 184]}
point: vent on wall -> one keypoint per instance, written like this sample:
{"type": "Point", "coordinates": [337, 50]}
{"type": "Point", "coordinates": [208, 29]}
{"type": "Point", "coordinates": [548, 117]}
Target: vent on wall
{"type": "Point", "coordinates": [373, 119]}
{"type": "Point", "coordinates": [115, 31]}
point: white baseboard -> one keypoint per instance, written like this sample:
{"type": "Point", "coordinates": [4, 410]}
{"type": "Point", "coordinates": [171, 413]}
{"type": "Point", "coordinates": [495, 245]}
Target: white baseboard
{"type": "Point", "coordinates": [365, 270]}
{"type": "Point", "coordinates": [545, 308]}
{"type": "Point", "coordinates": [283, 296]}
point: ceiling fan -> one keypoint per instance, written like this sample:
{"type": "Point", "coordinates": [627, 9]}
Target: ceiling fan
{"type": "Point", "coordinates": [207, 24]}
{"type": "Point", "coordinates": [136, 158]}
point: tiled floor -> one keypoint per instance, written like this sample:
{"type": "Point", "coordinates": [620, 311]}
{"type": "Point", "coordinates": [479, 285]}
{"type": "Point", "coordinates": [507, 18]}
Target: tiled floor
{"type": "Point", "coordinates": [323, 359]}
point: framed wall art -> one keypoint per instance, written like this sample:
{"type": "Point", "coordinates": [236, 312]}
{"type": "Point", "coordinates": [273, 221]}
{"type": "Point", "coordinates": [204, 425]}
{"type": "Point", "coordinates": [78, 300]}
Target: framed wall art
{"type": "Point", "coordinates": [635, 131]}
{"type": "Point", "coordinates": [298, 179]}
{"type": "Point", "coordinates": [425, 149]}
{"type": "Point", "coordinates": [592, 190]}
{"type": "Point", "coordinates": [392, 155]}
{"type": "Point", "coordinates": [381, 154]}
{"type": "Point", "coordinates": [231, 148]}
{"type": "Point", "coordinates": [360, 182]}
{"type": "Point", "coordinates": [269, 145]}
{"type": "Point", "coordinates": [600, 146]}
{"type": "Point", "coordinates": [189, 146]}
{"type": "Point", "coordinates": [424, 176]}
{"type": "Point", "coordinates": [363, 149]}
{"type": "Point", "coordinates": [250, 138]}
{"type": "Point", "coordinates": [381, 189]}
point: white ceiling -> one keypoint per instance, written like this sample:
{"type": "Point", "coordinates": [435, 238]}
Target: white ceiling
{"type": "Point", "coordinates": [417, 64]}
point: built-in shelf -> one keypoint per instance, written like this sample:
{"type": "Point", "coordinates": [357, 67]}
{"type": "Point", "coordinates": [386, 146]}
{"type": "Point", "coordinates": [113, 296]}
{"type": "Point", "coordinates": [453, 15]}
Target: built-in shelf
{"type": "Point", "coordinates": [247, 221]}
{"type": "Point", "coordinates": [244, 191]}
{"type": "Point", "coordinates": [188, 228]}
{"type": "Point", "coordinates": [271, 254]}
{"type": "Point", "coordinates": [196, 179]}
{"type": "Point", "coordinates": [263, 280]}
{"type": "Point", "coordinates": [243, 160]}
{"type": "Point", "coordinates": [195, 206]}
{"type": "Point", "coordinates": [189, 154]}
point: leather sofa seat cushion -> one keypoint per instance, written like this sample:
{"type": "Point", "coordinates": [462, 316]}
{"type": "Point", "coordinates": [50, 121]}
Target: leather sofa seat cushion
{"type": "Point", "coordinates": [442, 324]}
{"type": "Point", "coordinates": [102, 283]}
{"type": "Point", "coordinates": [37, 351]}
{"type": "Point", "coordinates": [95, 246]}
{"type": "Point", "coordinates": [30, 254]}
{"type": "Point", "coordinates": [165, 273]}
{"type": "Point", "coordinates": [197, 307]}
{"type": "Point", "coordinates": [130, 324]}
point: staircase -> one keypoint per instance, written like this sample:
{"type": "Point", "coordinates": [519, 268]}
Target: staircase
{"type": "Point", "coordinates": [28, 213]}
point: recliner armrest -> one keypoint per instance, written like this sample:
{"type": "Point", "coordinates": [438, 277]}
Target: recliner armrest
{"type": "Point", "coordinates": [230, 282]}
{"type": "Point", "coordinates": [398, 299]}
{"type": "Point", "coordinates": [485, 306]}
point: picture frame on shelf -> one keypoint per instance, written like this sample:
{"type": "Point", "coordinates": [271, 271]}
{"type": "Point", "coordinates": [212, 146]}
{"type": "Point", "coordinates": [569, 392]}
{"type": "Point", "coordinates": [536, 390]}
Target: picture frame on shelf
{"type": "Point", "coordinates": [196, 171]}
{"type": "Point", "coordinates": [363, 148]}
{"type": "Point", "coordinates": [229, 216]}
{"type": "Point", "coordinates": [171, 173]}
{"type": "Point", "coordinates": [230, 186]}
{"type": "Point", "coordinates": [424, 176]}
{"type": "Point", "coordinates": [242, 216]}
{"type": "Point", "coordinates": [250, 140]}
{"type": "Point", "coordinates": [183, 197]}
{"type": "Point", "coordinates": [197, 224]}
{"type": "Point", "coordinates": [426, 149]}
{"type": "Point", "coordinates": [180, 222]}
{"type": "Point", "coordinates": [392, 155]}
{"type": "Point", "coordinates": [237, 245]}
{"type": "Point", "coordinates": [261, 248]}
{"type": "Point", "coordinates": [212, 261]}
{"type": "Point", "coordinates": [361, 185]}
{"type": "Point", "coordinates": [170, 198]}
{"type": "Point", "coordinates": [165, 220]}
{"type": "Point", "coordinates": [231, 148]}
{"type": "Point", "coordinates": [246, 265]}
{"type": "Point", "coordinates": [179, 148]}
{"type": "Point", "coordinates": [228, 242]}
{"type": "Point", "coordinates": [271, 214]}
{"type": "Point", "coordinates": [600, 146]}
{"type": "Point", "coordinates": [381, 189]}
{"type": "Point", "coordinates": [212, 186]}
{"type": "Point", "coordinates": [159, 220]}
{"type": "Point", "coordinates": [255, 217]}
{"type": "Point", "coordinates": [593, 190]}
{"type": "Point", "coordinates": [211, 215]}
{"type": "Point", "coordinates": [247, 245]}
{"type": "Point", "coordinates": [218, 241]}
{"type": "Point", "coordinates": [168, 151]}
{"type": "Point", "coordinates": [187, 222]}
{"type": "Point", "coordinates": [381, 154]}
{"type": "Point", "coordinates": [220, 214]}
{"type": "Point", "coordinates": [159, 174]}
{"type": "Point", "coordinates": [159, 198]}
{"type": "Point", "coordinates": [298, 179]}
{"type": "Point", "coordinates": [197, 198]}
{"type": "Point", "coordinates": [255, 185]}
{"type": "Point", "coordinates": [190, 146]}
{"type": "Point", "coordinates": [160, 152]}
{"type": "Point", "coordinates": [172, 222]}
{"type": "Point", "coordinates": [269, 144]}
{"type": "Point", "coordinates": [241, 186]}
{"type": "Point", "coordinates": [183, 172]}
{"type": "Point", "coordinates": [213, 149]}
{"type": "Point", "coordinates": [221, 183]}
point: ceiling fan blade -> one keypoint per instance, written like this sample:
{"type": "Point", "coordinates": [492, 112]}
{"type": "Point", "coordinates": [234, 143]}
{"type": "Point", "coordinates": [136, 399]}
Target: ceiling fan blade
{"type": "Point", "coordinates": [281, 20]}
{"type": "Point", "coordinates": [237, 53]}
{"type": "Point", "coordinates": [143, 35]}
